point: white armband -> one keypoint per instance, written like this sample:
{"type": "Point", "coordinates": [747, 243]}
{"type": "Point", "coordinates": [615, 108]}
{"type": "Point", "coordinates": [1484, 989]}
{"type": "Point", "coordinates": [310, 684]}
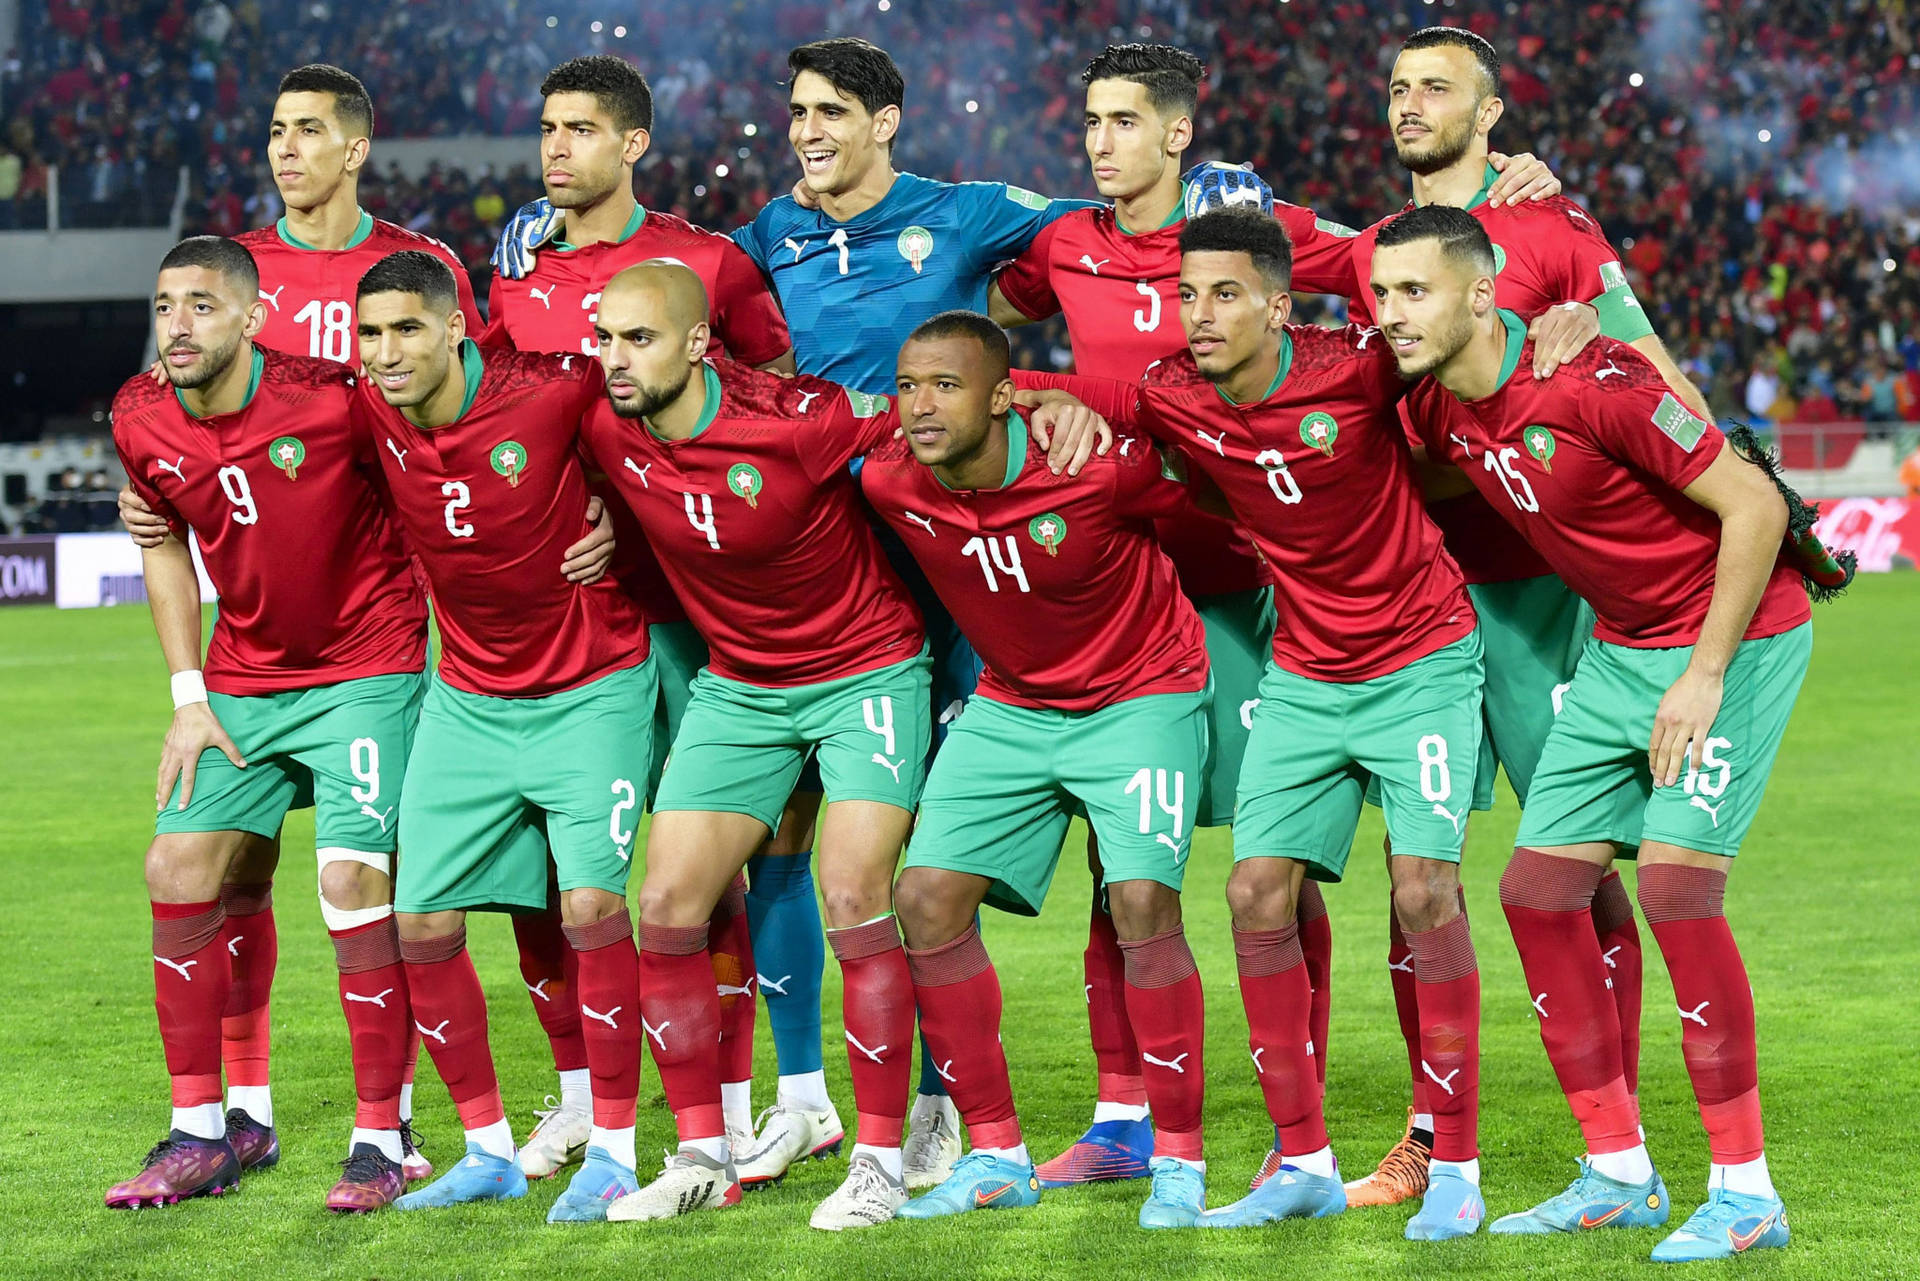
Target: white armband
{"type": "Point", "coordinates": [188, 687]}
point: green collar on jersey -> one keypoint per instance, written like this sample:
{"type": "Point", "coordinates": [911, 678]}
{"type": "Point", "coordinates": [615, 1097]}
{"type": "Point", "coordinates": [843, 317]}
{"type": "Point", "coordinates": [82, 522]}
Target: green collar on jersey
{"type": "Point", "coordinates": [1479, 197]}
{"type": "Point", "coordinates": [633, 225]}
{"type": "Point", "coordinates": [1279, 376]}
{"type": "Point", "coordinates": [1179, 212]}
{"type": "Point", "coordinates": [361, 231]}
{"type": "Point", "coordinates": [1016, 450]}
{"type": "Point", "coordinates": [1516, 339]}
{"type": "Point", "coordinates": [707, 414]}
{"type": "Point", "coordinates": [471, 366]}
{"type": "Point", "coordinates": [253, 385]}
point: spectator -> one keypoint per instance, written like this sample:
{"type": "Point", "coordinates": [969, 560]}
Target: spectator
{"type": "Point", "coordinates": [1763, 389]}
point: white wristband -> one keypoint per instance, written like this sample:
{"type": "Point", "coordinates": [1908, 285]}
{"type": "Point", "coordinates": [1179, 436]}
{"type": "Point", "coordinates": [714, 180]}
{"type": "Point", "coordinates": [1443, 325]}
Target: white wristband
{"type": "Point", "coordinates": [188, 687]}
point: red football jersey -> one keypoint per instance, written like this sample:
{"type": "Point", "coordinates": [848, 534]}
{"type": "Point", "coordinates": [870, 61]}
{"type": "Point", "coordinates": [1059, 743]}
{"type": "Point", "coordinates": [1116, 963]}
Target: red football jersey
{"type": "Point", "coordinates": [1120, 293]}
{"type": "Point", "coordinates": [490, 503]}
{"type": "Point", "coordinates": [310, 293]}
{"type": "Point", "coordinates": [1318, 471]}
{"type": "Point", "coordinates": [554, 307]}
{"type": "Point", "coordinates": [284, 498]}
{"type": "Point", "coordinates": [1588, 466]}
{"type": "Point", "coordinates": [1056, 580]}
{"type": "Point", "coordinates": [759, 530]}
{"type": "Point", "coordinates": [1544, 252]}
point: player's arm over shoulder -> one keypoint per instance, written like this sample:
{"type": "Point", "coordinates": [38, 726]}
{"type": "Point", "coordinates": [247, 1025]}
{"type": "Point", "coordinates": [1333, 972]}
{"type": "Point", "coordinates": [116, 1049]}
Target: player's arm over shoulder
{"type": "Point", "coordinates": [1572, 253]}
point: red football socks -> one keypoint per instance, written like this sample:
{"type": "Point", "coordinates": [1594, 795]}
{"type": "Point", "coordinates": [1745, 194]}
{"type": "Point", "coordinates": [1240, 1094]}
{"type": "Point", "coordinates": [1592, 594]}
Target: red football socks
{"type": "Point", "coordinates": [373, 996]}
{"type": "Point", "coordinates": [1316, 949]}
{"type": "Point", "coordinates": [732, 954]}
{"type": "Point", "coordinates": [1620, 949]}
{"type": "Point", "coordinates": [877, 1006]}
{"type": "Point", "coordinates": [959, 999]}
{"type": "Point", "coordinates": [1278, 1000]}
{"type": "Point", "coordinates": [191, 980]}
{"type": "Point", "coordinates": [550, 969]}
{"type": "Point", "coordinates": [1168, 1012]}
{"type": "Point", "coordinates": [680, 1018]}
{"type": "Point", "coordinates": [1116, 1055]}
{"type": "Point", "coordinates": [609, 991]}
{"type": "Point", "coordinates": [253, 946]}
{"type": "Point", "coordinates": [450, 1010]}
{"type": "Point", "coordinates": [1449, 1003]}
{"type": "Point", "coordinates": [1684, 908]}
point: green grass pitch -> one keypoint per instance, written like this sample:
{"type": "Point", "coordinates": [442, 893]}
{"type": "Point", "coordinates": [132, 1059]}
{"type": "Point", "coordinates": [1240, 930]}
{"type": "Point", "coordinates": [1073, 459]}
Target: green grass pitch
{"type": "Point", "coordinates": [1822, 903]}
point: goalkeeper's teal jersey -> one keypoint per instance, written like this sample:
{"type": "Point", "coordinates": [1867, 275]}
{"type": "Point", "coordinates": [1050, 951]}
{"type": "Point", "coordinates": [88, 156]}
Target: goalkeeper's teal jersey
{"type": "Point", "coordinates": [852, 291]}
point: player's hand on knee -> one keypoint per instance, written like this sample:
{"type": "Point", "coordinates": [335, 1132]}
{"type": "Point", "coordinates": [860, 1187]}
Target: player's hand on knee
{"type": "Point", "coordinates": [1681, 725]}
{"type": "Point", "coordinates": [1560, 333]}
{"type": "Point", "coordinates": [589, 559]}
{"type": "Point", "coordinates": [148, 529]}
{"type": "Point", "coordinates": [195, 728]}
{"type": "Point", "coordinates": [530, 228]}
{"type": "Point", "coordinates": [1522, 178]}
{"type": "Point", "coordinates": [1070, 432]}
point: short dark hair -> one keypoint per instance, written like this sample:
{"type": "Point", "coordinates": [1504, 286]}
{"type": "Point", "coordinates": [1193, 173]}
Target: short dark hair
{"type": "Point", "coordinates": [1460, 234]}
{"type": "Point", "coordinates": [412, 271]}
{"type": "Point", "coordinates": [1171, 76]}
{"type": "Point", "coordinates": [969, 324]}
{"type": "Point", "coordinates": [858, 68]}
{"type": "Point", "coordinates": [1239, 229]}
{"type": "Point", "coordinates": [1460, 38]}
{"type": "Point", "coordinates": [351, 102]}
{"type": "Point", "coordinates": [616, 84]}
{"type": "Point", "coordinates": [217, 253]}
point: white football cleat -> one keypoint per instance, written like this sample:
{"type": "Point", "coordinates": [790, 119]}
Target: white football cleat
{"type": "Point", "coordinates": [559, 1140]}
{"type": "Point", "coordinates": [692, 1181]}
{"type": "Point", "coordinates": [739, 1142]}
{"type": "Point", "coordinates": [789, 1135]}
{"type": "Point", "coordinates": [933, 1141]}
{"type": "Point", "coordinates": [869, 1197]}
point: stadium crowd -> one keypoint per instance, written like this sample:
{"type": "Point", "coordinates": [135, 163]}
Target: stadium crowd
{"type": "Point", "coordinates": [1755, 163]}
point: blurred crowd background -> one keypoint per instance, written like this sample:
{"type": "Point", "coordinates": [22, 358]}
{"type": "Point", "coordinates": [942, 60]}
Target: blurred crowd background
{"type": "Point", "coordinates": [1757, 162]}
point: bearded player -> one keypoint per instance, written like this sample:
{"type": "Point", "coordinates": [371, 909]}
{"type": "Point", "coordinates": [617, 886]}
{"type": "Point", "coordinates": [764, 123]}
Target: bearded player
{"type": "Point", "coordinates": [309, 689]}
{"type": "Point", "coordinates": [1668, 730]}
{"type": "Point", "coordinates": [595, 126]}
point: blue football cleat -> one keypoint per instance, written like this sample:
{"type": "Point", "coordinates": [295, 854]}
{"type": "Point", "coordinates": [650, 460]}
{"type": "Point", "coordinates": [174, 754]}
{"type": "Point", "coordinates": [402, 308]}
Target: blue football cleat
{"type": "Point", "coordinates": [1291, 1193]}
{"type": "Point", "coordinates": [1109, 1150]}
{"type": "Point", "coordinates": [1591, 1201]}
{"type": "Point", "coordinates": [598, 1182]}
{"type": "Point", "coordinates": [1452, 1208]}
{"type": "Point", "coordinates": [1729, 1223]}
{"type": "Point", "coordinates": [478, 1176]}
{"type": "Point", "coordinates": [978, 1182]}
{"type": "Point", "coordinates": [1179, 1195]}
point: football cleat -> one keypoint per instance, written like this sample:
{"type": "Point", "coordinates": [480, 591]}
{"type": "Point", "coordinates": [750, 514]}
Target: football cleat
{"type": "Point", "coordinates": [368, 1181]}
{"type": "Point", "coordinates": [1179, 1195]}
{"type": "Point", "coordinates": [789, 1135]}
{"type": "Point", "coordinates": [1591, 1201]}
{"type": "Point", "coordinates": [1729, 1223]}
{"type": "Point", "coordinates": [1269, 1166]}
{"type": "Point", "coordinates": [477, 1176]}
{"type": "Point", "coordinates": [1402, 1175]}
{"type": "Point", "coordinates": [978, 1182]}
{"type": "Point", "coordinates": [1292, 1193]}
{"type": "Point", "coordinates": [179, 1168]}
{"type": "Point", "coordinates": [597, 1184]}
{"type": "Point", "coordinates": [257, 1145]}
{"type": "Point", "coordinates": [1452, 1208]}
{"type": "Point", "coordinates": [558, 1139]}
{"type": "Point", "coordinates": [869, 1197]}
{"type": "Point", "coordinates": [413, 1162]}
{"type": "Point", "coordinates": [1108, 1151]}
{"type": "Point", "coordinates": [739, 1143]}
{"type": "Point", "coordinates": [692, 1181]}
{"type": "Point", "coordinates": [933, 1141]}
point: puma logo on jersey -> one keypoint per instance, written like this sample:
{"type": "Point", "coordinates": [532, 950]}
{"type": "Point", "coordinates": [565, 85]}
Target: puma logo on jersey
{"type": "Point", "coordinates": [1577, 216]}
{"type": "Point", "coordinates": [641, 472]}
{"type": "Point", "coordinates": [1093, 267]}
{"type": "Point", "coordinates": [945, 1074]}
{"type": "Point", "coordinates": [1441, 811]}
{"type": "Point", "coordinates": [173, 467]}
{"type": "Point", "coordinates": [798, 246]}
{"type": "Point", "coordinates": [874, 1055]}
{"type": "Point", "coordinates": [178, 967]}
{"type": "Point", "coordinates": [544, 295]}
{"type": "Point", "coordinates": [1560, 696]}
{"type": "Point", "coordinates": [1696, 1015]}
{"type": "Point", "coordinates": [377, 816]}
{"type": "Point", "coordinates": [952, 710]}
{"type": "Point", "coordinates": [378, 998]}
{"type": "Point", "coordinates": [274, 298]}
{"type": "Point", "coordinates": [925, 522]}
{"type": "Point", "coordinates": [1601, 375]}
{"type": "Point", "coordinates": [1176, 1064]}
{"type": "Point", "coordinates": [807, 398]}
{"type": "Point", "coordinates": [1219, 442]}
{"type": "Point", "coordinates": [1178, 847]}
{"type": "Point", "coordinates": [399, 454]}
{"type": "Point", "coordinates": [1366, 336]}
{"type": "Point", "coordinates": [1444, 1082]}
{"type": "Point", "coordinates": [587, 1011]}
{"type": "Point", "coordinates": [1461, 441]}
{"type": "Point", "coordinates": [1246, 712]}
{"type": "Point", "coordinates": [777, 986]}
{"type": "Point", "coordinates": [1126, 446]}
{"type": "Point", "coordinates": [437, 1033]}
{"type": "Point", "coordinates": [893, 767]}
{"type": "Point", "coordinates": [1713, 811]}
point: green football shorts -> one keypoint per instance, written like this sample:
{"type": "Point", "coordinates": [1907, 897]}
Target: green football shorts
{"type": "Point", "coordinates": [678, 655]}
{"type": "Point", "coordinates": [495, 782]}
{"type": "Point", "coordinates": [1594, 783]}
{"type": "Point", "coordinates": [1239, 639]}
{"type": "Point", "coordinates": [1009, 779]}
{"type": "Point", "coordinates": [741, 746]}
{"type": "Point", "coordinates": [339, 748]}
{"type": "Point", "coordinates": [1315, 745]}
